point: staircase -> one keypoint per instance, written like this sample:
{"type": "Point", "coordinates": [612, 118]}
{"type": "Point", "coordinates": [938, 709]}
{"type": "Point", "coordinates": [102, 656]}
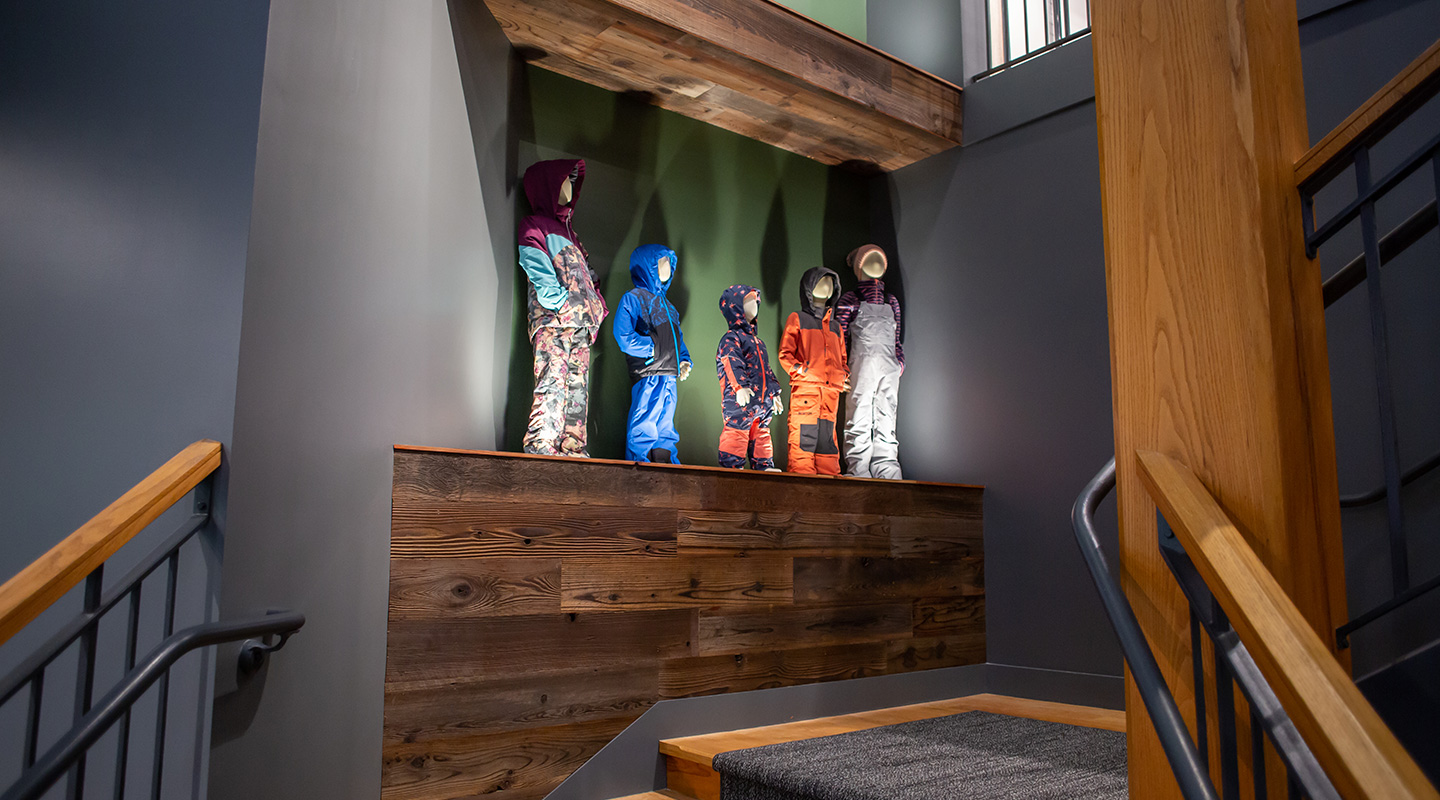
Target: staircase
{"type": "Point", "coordinates": [688, 760]}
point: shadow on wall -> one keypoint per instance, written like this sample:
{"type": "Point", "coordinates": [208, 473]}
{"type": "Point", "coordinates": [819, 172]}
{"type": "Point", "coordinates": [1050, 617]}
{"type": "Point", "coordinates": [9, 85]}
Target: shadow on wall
{"type": "Point", "coordinates": [735, 210]}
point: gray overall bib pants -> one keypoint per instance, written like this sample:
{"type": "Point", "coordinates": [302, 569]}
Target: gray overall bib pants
{"type": "Point", "coordinates": [871, 448]}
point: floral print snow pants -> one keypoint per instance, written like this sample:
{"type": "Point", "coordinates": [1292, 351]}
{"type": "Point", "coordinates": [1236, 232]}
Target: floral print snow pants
{"type": "Point", "coordinates": [562, 373]}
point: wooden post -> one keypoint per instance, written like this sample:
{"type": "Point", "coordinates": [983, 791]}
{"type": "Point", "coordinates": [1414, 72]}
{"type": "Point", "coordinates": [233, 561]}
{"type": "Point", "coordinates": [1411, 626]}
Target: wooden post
{"type": "Point", "coordinates": [1216, 323]}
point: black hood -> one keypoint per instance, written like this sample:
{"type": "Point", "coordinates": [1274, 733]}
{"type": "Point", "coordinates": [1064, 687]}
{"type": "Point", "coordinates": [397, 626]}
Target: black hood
{"type": "Point", "coordinates": [811, 277]}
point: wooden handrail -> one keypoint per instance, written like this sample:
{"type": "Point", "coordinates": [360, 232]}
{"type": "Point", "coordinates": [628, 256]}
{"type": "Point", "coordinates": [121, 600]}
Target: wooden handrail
{"type": "Point", "coordinates": [1359, 753]}
{"type": "Point", "coordinates": [1414, 85]}
{"type": "Point", "coordinates": [50, 576]}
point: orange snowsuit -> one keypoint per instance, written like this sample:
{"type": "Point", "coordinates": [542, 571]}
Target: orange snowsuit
{"type": "Point", "coordinates": [812, 351]}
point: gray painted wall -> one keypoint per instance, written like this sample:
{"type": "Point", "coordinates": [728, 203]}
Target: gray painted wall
{"type": "Point", "coordinates": [1000, 244]}
{"type": "Point", "coordinates": [376, 312]}
{"type": "Point", "coordinates": [127, 153]}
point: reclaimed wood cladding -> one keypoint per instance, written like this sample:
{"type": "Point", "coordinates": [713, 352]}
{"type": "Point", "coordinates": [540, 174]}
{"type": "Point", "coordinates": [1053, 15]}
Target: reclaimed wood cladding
{"type": "Point", "coordinates": [538, 606]}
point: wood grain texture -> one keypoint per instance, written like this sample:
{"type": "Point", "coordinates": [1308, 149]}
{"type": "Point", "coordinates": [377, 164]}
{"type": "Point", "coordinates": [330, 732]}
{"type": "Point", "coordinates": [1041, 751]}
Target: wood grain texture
{"type": "Point", "coordinates": [522, 764]}
{"type": "Point", "coordinates": [703, 748]}
{"type": "Point", "coordinates": [65, 565]}
{"type": "Point", "coordinates": [588, 584]}
{"type": "Point", "coordinates": [721, 633]}
{"type": "Point", "coordinates": [1217, 334]}
{"type": "Point", "coordinates": [858, 580]}
{"type": "Point", "coordinates": [792, 534]}
{"type": "Point", "coordinates": [557, 597]}
{"type": "Point", "coordinates": [691, 779]}
{"type": "Point", "coordinates": [445, 709]}
{"type": "Point", "coordinates": [758, 69]}
{"type": "Point", "coordinates": [528, 530]}
{"type": "Point", "coordinates": [1404, 93]}
{"type": "Point", "coordinates": [744, 672]}
{"type": "Point", "coordinates": [1358, 752]}
{"type": "Point", "coordinates": [452, 588]}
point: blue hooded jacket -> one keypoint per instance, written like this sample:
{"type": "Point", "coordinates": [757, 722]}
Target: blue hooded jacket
{"type": "Point", "coordinates": [647, 327]}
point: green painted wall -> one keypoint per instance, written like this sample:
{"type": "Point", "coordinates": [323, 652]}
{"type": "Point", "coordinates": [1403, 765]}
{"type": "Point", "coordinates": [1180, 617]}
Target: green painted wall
{"type": "Point", "coordinates": [735, 210]}
{"type": "Point", "coordinates": [846, 16]}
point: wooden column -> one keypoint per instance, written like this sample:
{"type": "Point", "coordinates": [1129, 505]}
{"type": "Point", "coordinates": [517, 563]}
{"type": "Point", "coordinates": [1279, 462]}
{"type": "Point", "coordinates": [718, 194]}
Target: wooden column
{"type": "Point", "coordinates": [1216, 322]}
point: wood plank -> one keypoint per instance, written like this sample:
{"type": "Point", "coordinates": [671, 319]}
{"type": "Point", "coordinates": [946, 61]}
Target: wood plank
{"type": "Point", "coordinates": [425, 477]}
{"type": "Point", "coordinates": [858, 580]}
{"type": "Point", "coordinates": [524, 763]}
{"type": "Point", "coordinates": [528, 530]}
{"type": "Point", "coordinates": [64, 566]}
{"type": "Point", "coordinates": [794, 534]}
{"type": "Point", "coordinates": [941, 616]}
{"type": "Point", "coordinates": [691, 779]}
{"type": "Point", "coordinates": [721, 633]}
{"type": "Point", "coordinates": [428, 710]}
{"type": "Point", "coordinates": [756, 68]}
{"type": "Point", "coordinates": [445, 649]}
{"type": "Point", "coordinates": [588, 584]}
{"type": "Point", "coordinates": [703, 748]}
{"type": "Point", "coordinates": [473, 588]}
{"type": "Point", "coordinates": [913, 655]}
{"type": "Point", "coordinates": [1217, 329]}
{"type": "Point", "coordinates": [743, 672]}
{"type": "Point", "coordinates": [1353, 745]}
{"type": "Point", "coordinates": [1407, 91]}
{"type": "Point", "coordinates": [920, 537]}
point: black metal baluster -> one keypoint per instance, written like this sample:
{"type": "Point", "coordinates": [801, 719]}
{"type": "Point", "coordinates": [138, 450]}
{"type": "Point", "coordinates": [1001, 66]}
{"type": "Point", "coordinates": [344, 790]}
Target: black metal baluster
{"type": "Point", "coordinates": [85, 673]}
{"type": "Point", "coordinates": [1292, 786]}
{"type": "Point", "coordinates": [1389, 440]}
{"type": "Point", "coordinates": [32, 721]}
{"type": "Point", "coordinates": [1257, 753]}
{"type": "Point", "coordinates": [163, 698]}
{"type": "Point", "coordinates": [1225, 729]}
{"type": "Point", "coordinates": [122, 748]}
{"type": "Point", "coordinates": [1197, 660]}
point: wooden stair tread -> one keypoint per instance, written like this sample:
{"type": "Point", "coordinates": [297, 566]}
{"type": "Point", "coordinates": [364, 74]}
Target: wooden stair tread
{"type": "Point", "coordinates": [703, 748]}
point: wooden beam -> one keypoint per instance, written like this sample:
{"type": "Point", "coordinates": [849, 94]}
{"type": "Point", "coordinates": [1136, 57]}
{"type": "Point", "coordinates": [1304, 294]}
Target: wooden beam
{"type": "Point", "coordinates": [1217, 335]}
{"type": "Point", "coordinates": [1353, 745]}
{"type": "Point", "coordinates": [755, 68]}
{"type": "Point", "coordinates": [50, 576]}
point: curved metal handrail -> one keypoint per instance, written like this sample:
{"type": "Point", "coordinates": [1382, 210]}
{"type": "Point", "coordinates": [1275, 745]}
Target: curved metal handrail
{"type": "Point", "coordinates": [36, 780]}
{"type": "Point", "coordinates": [1169, 725]}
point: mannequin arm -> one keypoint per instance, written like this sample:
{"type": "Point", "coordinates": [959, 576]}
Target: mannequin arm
{"type": "Point", "coordinates": [631, 342]}
{"type": "Point", "coordinates": [540, 269]}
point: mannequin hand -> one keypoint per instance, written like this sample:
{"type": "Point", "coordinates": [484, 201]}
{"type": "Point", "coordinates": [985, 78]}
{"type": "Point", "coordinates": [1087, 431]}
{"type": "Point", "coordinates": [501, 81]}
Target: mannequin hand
{"type": "Point", "coordinates": [684, 370]}
{"type": "Point", "coordinates": [742, 396]}
{"type": "Point", "coordinates": [846, 387]}
{"type": "Point", "coordinates": [779, 406]}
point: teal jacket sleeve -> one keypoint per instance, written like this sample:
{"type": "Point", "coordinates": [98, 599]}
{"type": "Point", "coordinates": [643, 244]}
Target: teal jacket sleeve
{"type": "Point", "coordinates": [540, 269]}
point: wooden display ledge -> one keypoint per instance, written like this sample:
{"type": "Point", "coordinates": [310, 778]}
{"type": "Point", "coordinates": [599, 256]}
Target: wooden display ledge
{"type": "Point", "coordinates": [753, 67]}
{"type": "Point", "coordinates": [538, 604]}
{"type": "Point", "coordinates": [413, 448]}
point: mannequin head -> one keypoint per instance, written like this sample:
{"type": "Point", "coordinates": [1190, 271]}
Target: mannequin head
{"type": "Point", "coordinates": [663, 267]}
{"type": "Point", "coordinates": [752, 306]}
{"type": "Point", "coordinates": [567, 191]}
{"type": "Point", "coordinates": [824, 289]}
{"type": "Point", "coordinates": [873, 264]}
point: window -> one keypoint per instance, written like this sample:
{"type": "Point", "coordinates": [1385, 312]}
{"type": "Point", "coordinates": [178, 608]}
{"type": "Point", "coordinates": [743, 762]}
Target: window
{"type": "Point", "coordinates": [1020, 28]}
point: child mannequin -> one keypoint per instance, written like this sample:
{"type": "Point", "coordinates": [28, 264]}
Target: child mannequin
{"type": "Point", "coordinates": [749, 390]}
{"type": "Point", "coordinates": [813, 352]}
{"type": "Point", "coordinates": [871, 319]}
{"type": "Point", "coordinates": [647, 328]}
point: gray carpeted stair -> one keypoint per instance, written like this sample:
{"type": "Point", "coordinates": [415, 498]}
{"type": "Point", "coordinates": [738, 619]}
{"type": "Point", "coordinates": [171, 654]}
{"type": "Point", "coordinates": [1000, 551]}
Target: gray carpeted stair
{"type": "Point", "coordinates": [971, 755]}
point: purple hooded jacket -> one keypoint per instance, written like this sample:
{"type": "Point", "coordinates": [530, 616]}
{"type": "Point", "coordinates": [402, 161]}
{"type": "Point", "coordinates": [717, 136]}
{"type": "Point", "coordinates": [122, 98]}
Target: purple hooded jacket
{"type": "Point", "coordinates": [562, 285]}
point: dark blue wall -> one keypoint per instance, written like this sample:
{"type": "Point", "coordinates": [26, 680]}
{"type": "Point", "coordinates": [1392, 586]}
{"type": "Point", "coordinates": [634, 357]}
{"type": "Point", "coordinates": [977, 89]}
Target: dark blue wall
{"type": "Point", "coordinates": [127, 154]}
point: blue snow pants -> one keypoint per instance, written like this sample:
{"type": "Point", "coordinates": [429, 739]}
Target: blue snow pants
{"type": "Point", "coordinates": [652, 418]}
